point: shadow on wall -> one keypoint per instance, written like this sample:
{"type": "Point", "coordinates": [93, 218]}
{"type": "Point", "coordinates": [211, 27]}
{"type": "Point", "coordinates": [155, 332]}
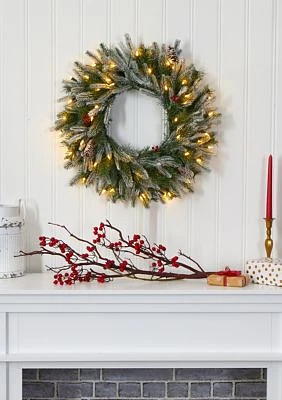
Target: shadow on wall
{"type": "Point", "coordinates": [32, 231]}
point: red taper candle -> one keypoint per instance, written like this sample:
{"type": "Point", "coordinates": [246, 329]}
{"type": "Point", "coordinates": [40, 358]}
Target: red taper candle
{"type": "Point", "coordinates": [269, 189]}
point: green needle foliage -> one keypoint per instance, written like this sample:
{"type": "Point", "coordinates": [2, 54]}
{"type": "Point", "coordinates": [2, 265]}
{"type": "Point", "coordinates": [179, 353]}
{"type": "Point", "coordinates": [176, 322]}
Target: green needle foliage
{"type": "Point", "coordinates": [121, 172]}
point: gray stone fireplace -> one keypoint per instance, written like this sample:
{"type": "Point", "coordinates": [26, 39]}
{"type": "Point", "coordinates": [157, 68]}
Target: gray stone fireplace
{"type": "Point", "coordinates": [148, 383]}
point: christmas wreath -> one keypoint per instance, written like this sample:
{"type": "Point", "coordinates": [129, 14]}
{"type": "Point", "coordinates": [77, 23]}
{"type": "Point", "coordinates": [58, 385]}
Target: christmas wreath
{"type": "Point", "coordinates": [122, 172]}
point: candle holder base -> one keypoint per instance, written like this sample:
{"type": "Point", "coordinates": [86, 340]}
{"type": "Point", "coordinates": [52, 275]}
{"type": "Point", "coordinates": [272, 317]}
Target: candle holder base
{"type": "Point", "coordinates": [265, 271]}
{"type": "Point", "coordinates": [268, 243]}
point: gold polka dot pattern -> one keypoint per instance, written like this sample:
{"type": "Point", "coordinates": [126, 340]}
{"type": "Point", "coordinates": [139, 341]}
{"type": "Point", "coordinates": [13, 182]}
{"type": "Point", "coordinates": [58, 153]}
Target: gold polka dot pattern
{"type": "Point", "coordinates": [265, 271]}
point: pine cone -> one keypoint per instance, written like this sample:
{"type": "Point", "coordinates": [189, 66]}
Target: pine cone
{"type": "Point", "coordinates": [171, 52]}
{"type": "Point", "coordinates": [89, 148]}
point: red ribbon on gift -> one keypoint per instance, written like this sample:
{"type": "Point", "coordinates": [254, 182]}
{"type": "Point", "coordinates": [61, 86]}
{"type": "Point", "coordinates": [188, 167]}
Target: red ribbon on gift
{"type": "Point", "coordinates": [226, 273]}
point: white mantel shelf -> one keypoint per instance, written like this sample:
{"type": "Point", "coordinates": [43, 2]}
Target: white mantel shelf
{"type": "Point", "coordinates": [41, 283]}
{"type": "Point", "coordinates": [130, 323]}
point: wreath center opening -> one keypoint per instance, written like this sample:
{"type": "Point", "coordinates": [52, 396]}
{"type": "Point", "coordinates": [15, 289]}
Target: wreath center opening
{"type": "Point", "coordinates": [137, 120]}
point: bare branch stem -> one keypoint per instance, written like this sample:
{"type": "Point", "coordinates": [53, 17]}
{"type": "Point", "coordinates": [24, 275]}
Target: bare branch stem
{"type": "Point", "coordinates": [96, 266]}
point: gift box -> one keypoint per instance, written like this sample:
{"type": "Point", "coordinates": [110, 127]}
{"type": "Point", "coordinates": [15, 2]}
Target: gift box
{"type": "Point", "coordinates": [265, 271]}
{"type": "Point", "coordinates": [228, 278]}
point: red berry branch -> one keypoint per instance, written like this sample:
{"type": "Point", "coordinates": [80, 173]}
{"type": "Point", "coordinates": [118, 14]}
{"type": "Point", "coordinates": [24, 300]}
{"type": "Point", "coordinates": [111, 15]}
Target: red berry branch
{"type": "Point", "coordinates": [91, 265]}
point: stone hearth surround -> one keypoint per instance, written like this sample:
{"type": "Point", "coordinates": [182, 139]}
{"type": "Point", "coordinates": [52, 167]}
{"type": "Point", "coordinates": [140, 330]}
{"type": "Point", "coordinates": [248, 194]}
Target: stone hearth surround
{"type": "Point", "coordinates": [135, 324]}
{"type": "Point", "coordinates": [147, 383]}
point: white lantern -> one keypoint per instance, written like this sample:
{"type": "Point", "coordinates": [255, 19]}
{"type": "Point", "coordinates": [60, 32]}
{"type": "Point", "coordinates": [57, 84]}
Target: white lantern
{"type": "Point", "coordinates": [11, 227]}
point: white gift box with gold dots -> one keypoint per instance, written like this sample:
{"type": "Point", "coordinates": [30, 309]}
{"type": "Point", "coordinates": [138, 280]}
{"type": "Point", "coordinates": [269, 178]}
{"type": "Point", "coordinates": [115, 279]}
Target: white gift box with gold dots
{"type": "Point", "coordinates": [265, 271]}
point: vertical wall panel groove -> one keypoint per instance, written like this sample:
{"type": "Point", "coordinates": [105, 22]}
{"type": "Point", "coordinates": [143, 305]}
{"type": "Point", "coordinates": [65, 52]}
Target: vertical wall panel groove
{"type": "Point", "coordinates": [277, 70]}
{"type": "Point", "coordinates": [176, 213]}
{"type": "Point", "coordinates": [125, 112]}
{"type": "Point", "coordinates": [68, 49]}
{"type": "Point", "coordinates": [274, 76]}
{"type": "Point", "coordinates": [277, 137]}
{"type": "Point", "coordinates": [260, 115]}
{"type": "Point", "coordinates": [26, 149]}
{"type": "Point", "coordinates": [12, 111]}
{"type": "Point", "coordinates": [204, 198]}
{"type": "Point", "coordinates": [150, 29]}
{"type": "Point", "coordinates": [245, 127]}
{"type": "Point", "coordinates": [163, 214]}
{"type": "Point", "coordinates": [217, 193]}
{"type": "Point", "coordinates": [40, 108]}
{"type": "Point", "coordinates": [53, 112]}
{"type": "Point", "coordinates": [108, 30]}
{"type": "Point", "coordinates": [274, 101]}
{"type": "Point", "coordinates": [190, 200]}
{"type": "Point", "coordinates": [82, 56]}
{"type": "Point", "coordinates": [164, 21]}
{"type": "Point", "coordinates": [95, 16]}
{"type": "Point", "coordinates": [53, 147]}
{"type": "Point", "coordinates": [1, 99]}
{"type": "Point", "coordinates": [137, 213]}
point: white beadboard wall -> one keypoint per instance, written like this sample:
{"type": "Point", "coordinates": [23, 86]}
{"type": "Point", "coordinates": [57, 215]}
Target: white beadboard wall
{"type": "Point", "coordinates": [238, 43]}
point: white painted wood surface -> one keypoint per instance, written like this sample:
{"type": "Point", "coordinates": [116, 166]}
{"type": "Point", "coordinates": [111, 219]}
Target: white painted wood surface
{"type": "Point", "coordinates": [238, 45]}
{"type": "Point", "coordinates": [137, 324]}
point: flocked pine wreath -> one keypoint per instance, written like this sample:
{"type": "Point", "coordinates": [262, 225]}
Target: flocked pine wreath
{"type": "Point", "coordinates": [122, 172]}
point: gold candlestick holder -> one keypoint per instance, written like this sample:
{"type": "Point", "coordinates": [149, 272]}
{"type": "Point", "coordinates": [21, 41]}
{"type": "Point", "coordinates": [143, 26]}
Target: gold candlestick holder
{"type": "Point", "coordinates": [265, 271]}
{"type": "Point", "coordinates": [268, 243]}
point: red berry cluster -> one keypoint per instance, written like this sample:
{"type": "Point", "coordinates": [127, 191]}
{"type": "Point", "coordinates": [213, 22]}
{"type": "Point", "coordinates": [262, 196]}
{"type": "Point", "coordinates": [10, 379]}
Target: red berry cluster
{"type": "Point", "coordinates": [137, 243]}
{"type": "Point", "coordinates": [53, 242]}
{"type": "Point", "coordinates": [101, 278]}
{"type": "Point", "coordinates": [69, 257]}
{"type": "Point", "coordinates": [42, 241]}
{"type": "Point", "coordinates": [115, 245]}
{"type": "Point", "coordinates": [86, 277]}
{"type": "Point", "coordinates": [63, 247]}
{"type": "Point", "coordinates": [70, 278]}
{"type": "Point", "coordinates": [90, 248]}
{"type": "Point", "coordinates": [175, 98]}
{"type": "Point", "coordinates": [159, 266]}
{"type": "Point", "coordinates": [134, 239]}
{"type": "Point", "coordinates": [156, 149]}
{"type": "Point", "coordinates": [99, 233]}
{"type": "Point", "coordinates": [174, 262]}
{"type": "Point", "coordinates": [159, 249]}
{"type": "Point", "coordinates": [122, 266]}
{"type": "Point", "coordinates": [109, 264]}
{"type": "Point", "coordinates": [86, 120]}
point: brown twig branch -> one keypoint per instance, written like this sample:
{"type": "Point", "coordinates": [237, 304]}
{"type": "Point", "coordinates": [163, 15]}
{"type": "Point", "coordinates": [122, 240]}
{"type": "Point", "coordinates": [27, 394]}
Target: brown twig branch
{"type": "Point", "coordinates": [93, 265]}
